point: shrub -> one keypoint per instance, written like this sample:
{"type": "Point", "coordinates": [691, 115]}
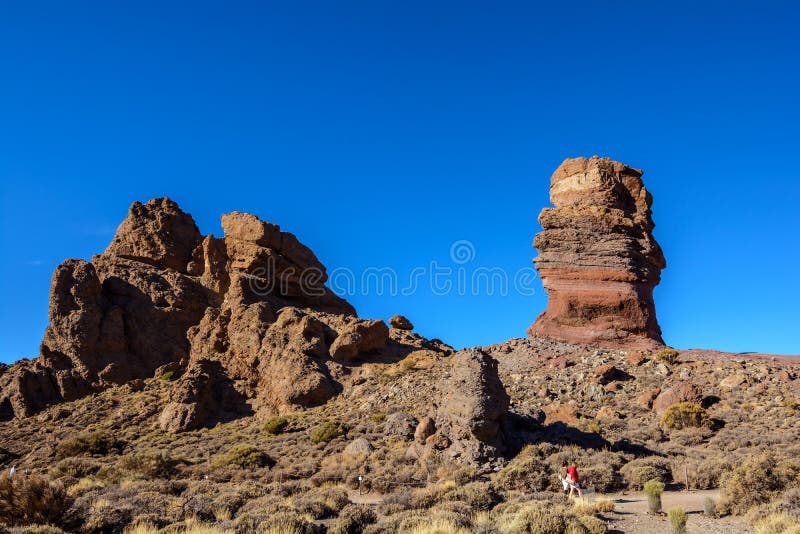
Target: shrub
{"type": "Point", "coordinates": [668, 356]}
{"type": "Point", "coordinates": [353, 519]}
{"type": "Point", "coordinates": [276, 425]}
{"type": "Point", "coordinates": [709, 507]}
{"type": "Point", "coordinates": [779, 523]}
{"type": "Point", "coordinates": [31, 499]}
{"type": "Point", "coordinates": [97, 442]}
{"type": "Point", "coordinates": [245, 456]}
{"type": "Point", "coordinates": [538, 516]}
{"type": "Point", "coordinates": [758, 480]}
{"type": "Point", "coordinates": [151, 463]}
{"type": "Point", "coordinates": [637, 472]}
{"type": "Point", "coordinates": [684, 415]}
{"type": "Point", "coordinates": [168, 376]}
{"type": "Point", "coordinates": [73, 467]}
{"type": "Point", "coordinates": [677, 520]}
{"type": "Point", "coordinates": [328, 431]}
{"type": "Point", "coordinates": [653, 489]}
{"type": "Point", "coordinates": [527, 472]}
{"type": "Point", "coordinates": [593, 524]}
{"type": "Point", "coordinates": [604, 505]}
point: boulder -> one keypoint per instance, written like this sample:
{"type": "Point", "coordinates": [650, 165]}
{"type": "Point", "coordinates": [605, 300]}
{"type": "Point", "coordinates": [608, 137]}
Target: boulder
{"type": "Point", "coordinates": [598, 259]}
{"type": "Point", "coordinates": [680, 392]}
{"type": "Point", "coordinates": [400, 424]}
{"type": "Point", "coordinates": [400, 322]}
{"type": "Point", "coordinates": [359, 337]}
{"type": "Point", "coordinates": [424, 430]}
{"type": "Point", "coordinates": [359, 447]}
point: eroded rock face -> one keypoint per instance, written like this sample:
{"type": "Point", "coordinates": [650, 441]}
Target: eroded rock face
{"type": "Point", "coordinates": [469, 421]}
{"type": "Point", "coordinates": [245, 321]}
{"type": "Point", "coordinates": [598, 259]}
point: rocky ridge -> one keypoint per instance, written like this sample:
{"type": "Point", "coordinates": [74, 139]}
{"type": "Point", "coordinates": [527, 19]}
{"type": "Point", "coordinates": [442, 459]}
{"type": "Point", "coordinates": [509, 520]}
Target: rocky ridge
{"type": "Point", "coordinates": [244, 323]}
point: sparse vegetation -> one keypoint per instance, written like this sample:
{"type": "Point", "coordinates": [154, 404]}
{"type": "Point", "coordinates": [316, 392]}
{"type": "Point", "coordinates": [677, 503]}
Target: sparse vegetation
{"type": "Point", "coordinates": [244, 456]}
{"type": "Point", "coordinates": [709, 507]}
{"type": "Point", "coordinates": [677, 520]}
{"type": "Point", "coordinates": [31, 499]}
{"type": "Point", "coordinates": [653, 489]}
{"type": "Point", "coordinates": [639, 471]}
{"type": "Point", "coordinates": [276, 425]}
{"type": "Point", "coordinates": [758, 480]}
{"type": "Point", "coordinates": [668, 356]}
{"type": "Point", "coordinates": [328, 431]}
{"type": "Point", "coordinates": [684, 415]}
{"type": "Point", "coordinates": [97, 442]}
{"type": "Point", "coordinates": [168, 376]}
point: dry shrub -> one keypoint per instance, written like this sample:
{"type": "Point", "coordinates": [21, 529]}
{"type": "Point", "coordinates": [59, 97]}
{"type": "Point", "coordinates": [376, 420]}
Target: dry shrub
{"type": "Point", "coordinates": [538, 516]}
{"type": "Point", "coordinates": [151, 463]}
{"type": "Point", "coordinates": [668, 356]}
{"type": "Point", "coordinates": [779, 523]}
{"type": "Point", "coordinates": [244, 456]}
{"type": "Point", "coordinates": [97, 442]}
{"type": "Point", "coordinates": [592, 524]}
{"type": "Point", "coordinates": [353, 519]}
{"type": "Point", "coordinates": [637, 472]}
{"type": "Point", "coordinates": [479, 496]}
{"type": "Point", "coordinates": [74, 468]}
{"type": "Point", "coordinates": [684, 415]}
{"type": "Point", "coordinates": [31, 499]}
{"type": "Point", "coordinates": [527, 472]}
{"type": "Point", "coordinates": [758, 480]}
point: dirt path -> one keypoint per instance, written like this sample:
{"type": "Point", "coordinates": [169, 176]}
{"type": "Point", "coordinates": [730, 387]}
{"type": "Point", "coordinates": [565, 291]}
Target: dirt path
{"type": "Point", "coordinates": [631, 515]}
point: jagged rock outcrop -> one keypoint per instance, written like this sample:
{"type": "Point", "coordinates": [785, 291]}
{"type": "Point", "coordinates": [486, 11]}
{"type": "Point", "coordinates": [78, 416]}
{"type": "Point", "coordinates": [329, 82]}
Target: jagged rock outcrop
{"type": "Point", "coordinates": [598, 259]}
{"type": "Point", "coordinates": [245, 322]}
{"type": "Point", "coordinates": [469, 421]}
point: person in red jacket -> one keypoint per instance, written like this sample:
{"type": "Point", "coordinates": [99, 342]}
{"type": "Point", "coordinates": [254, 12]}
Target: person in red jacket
{"type": "Point", "coordinates": [572, 479]}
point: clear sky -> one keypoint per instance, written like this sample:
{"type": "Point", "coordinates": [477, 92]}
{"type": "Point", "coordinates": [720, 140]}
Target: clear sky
{"type": "Point", "coordinates": [383, 132]}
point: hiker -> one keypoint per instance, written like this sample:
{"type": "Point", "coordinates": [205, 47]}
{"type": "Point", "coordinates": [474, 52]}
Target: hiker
{"type": "Point", "coordinates": [572, 480]}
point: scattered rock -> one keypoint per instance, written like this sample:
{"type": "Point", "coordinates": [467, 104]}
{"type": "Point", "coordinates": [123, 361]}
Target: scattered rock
{"type": "Point", "coordinates": [425, 429]}
{"type": "Point", "coordinates": [359, 447]}
{"type": "Point", "coordinates": [636, 358]}
{"type": "Point", "coordinates": [607, 413]}
{"type": "Point", "coordinates": [400, 424]}
{"type": "Point", "coordinates": [560, 413]}
{"type": "Point", "coordinates": [401, 323]}
{"type": "Point", "coordinates": [646, 399]}
{"type": "Point", "coordinates": [732, 382]}
{"type": "Point", "coordinates": [608, 373]}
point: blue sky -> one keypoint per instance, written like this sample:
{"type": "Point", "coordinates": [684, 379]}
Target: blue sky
{"type": "Point", "coordinates": [382, 132]}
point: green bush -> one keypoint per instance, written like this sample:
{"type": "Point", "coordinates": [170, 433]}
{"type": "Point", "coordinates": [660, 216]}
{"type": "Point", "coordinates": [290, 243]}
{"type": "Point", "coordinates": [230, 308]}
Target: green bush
{"type": "Point", "coordinates": [653, 489]}
{"type": "Point", "coordinates": [328, 431]}
{"type": "Point", "coordinates": [31, 499]}
{"type": "Point", "coordinates": [677, 520]}
{"type": "Point", "coordinates": [168, 376]}
{"type": "Point", "coordinates": [668, 356]}
{"type": "Point", "coordinates": [684, 415]}
{"type": "Point", "coordinates": [276, 425]}
{"type": "Point", "coordinates": [97, 442]}
{"type": "Point", "coordinates": [245, 456]}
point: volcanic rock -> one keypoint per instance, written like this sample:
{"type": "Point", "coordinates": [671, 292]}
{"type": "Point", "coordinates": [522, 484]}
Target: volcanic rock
{"type": "Point", "coordinates": [401, 323]}
{"type": "Point", "coordinates": [245, 321]}
{"type": "Point", "coordinates": [680, 392]}
{"type": "Point", "coordinates": [472, 409]}
{"type": "Point", "coordinates": [597, 258]}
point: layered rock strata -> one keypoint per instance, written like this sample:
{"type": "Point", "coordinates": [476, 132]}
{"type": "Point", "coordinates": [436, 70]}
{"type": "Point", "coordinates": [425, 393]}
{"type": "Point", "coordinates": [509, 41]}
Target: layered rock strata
{"type": "Point", "coordinates": [598, 259]}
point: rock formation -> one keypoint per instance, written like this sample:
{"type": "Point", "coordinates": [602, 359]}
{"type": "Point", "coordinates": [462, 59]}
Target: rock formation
{"type": "Point", "coordinates": [245, 322]}
{"type": "Point", "coordinates": [598, 259]}
{"type": "Point", "coordinates": [469, 422]}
